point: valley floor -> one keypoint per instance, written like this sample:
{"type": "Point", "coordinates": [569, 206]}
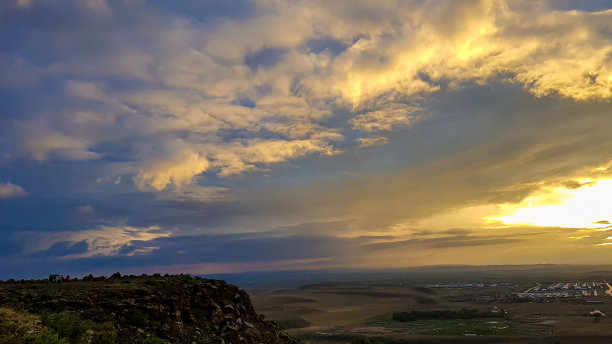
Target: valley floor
{"type": "Point", "coordinates": [349, 312]}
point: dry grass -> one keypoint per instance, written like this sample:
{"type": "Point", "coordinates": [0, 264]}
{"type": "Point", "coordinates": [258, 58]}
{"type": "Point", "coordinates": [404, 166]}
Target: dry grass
{"type": "Point", "coordinates": [15, 325]}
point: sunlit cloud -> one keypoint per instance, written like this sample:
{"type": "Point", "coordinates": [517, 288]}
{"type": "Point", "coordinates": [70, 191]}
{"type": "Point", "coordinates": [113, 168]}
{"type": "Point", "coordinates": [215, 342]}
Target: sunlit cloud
{"type": "Point", "coordinates": [372, 141]}
{"type": "Point", "coordinates": [10, 190]}
{"type": "Point", "coordinates": [142, 251]}
{"type": "Point", "coordinates": [385, 118]}
{"type": "Point", "coordinates": [23, 3]}
{"type": "Point", "coordinates": [288, 89]}
{"type": "Point", "coordinates": [481, 41]}
{"type": "Point", "coordinates": [177, 166]}
{"type": "Point", "coordinates": [412, 129]}
{"type": "Point", "coordinates": [105, 240]}
{"type": "Point", "coordinates": [57, 145]}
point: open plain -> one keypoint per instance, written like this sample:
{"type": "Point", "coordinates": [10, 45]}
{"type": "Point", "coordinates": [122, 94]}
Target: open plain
{"type": "Point", "coordinates": [342, 309]}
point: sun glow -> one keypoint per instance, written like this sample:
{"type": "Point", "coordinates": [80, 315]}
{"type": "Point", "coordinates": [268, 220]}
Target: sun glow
{"type": "Point", "coordinates": [586, 207]}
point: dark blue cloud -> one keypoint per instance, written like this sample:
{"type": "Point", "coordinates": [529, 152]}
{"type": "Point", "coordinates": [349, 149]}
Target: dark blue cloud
{"type": "Point", "coordinates": [63, 248]}
{"type": "Point", "coordinates": [182, 250]}
{"type": "Point", "coordinates": [32, 33]}
{"type": "Point", "coordinates": [582, 5]}
{"type": "Point", "coordinates": [8, 247]}
{"type": "Point", "coordinates": [244, 101]}
{"type": "Point", "coordinates": [265, 58]}
{"type": "Point", "coordinates": [328, 45]}
{"type": "Point", "coordinates": [241, 248]}
{"type": "Point", "coordinates": [453, 157]}
{"type": "Point", "coordinates": [206, 10]}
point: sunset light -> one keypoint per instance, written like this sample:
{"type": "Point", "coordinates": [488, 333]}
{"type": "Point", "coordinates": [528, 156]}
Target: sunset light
{"type": "Point", "coordinates": [587, 206]}
{"type": "Point", "coordinates": [303, 135]}
{"type": "Point", "coordinates": [380, 171]}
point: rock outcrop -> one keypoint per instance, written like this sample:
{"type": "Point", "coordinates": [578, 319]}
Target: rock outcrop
{"type": "Point", "coordinates": [175, 308]}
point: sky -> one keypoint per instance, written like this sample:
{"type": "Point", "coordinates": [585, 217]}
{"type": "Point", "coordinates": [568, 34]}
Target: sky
{"type": "Point", "coordinates": [234, 136]}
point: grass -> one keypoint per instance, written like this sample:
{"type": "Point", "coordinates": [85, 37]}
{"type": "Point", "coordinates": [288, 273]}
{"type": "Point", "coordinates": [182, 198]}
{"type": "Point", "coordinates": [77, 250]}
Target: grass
{"type": "Point", "coordinates": [19, 327]}
{"type": "Point", "coordinates": [465, 313]}
{"type": "Point", "coordinates": [447, 327]}
{"type": "Point", "coordinates": [320, 337]}
{"type": "Point", "coordinates": [479, 329]}
{"type": "Point", "coordinates": [154, 340]}
{"type": "Point", "coordinates": [76, 330]}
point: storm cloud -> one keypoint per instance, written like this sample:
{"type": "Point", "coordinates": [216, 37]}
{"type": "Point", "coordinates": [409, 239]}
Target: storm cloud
{"type": "Point", "coordinates": [203, 136]}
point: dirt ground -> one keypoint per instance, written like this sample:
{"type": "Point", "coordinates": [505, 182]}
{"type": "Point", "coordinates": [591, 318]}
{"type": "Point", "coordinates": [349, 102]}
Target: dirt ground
{"type": "Point", "coordinates": [343, 312]}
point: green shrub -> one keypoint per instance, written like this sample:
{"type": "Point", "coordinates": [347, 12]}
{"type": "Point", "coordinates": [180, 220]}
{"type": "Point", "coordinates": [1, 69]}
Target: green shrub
{"type": "Point", "coordinates": [76, 330]}
{"type": "Point", "coordinates": [18, 327]}
{"type": "Point", "coordinates": [44, 338]}
{"type": "Point", "coordinates": [103, 338]}
{"type": "Point", "coordinates": [376, 340]}
{"type": "Point", "coordinates": [464, 313]}
{"type": "Point", "coordinates": [103, 333]}
{"type": "Point", "coordinates": [404, 316]}
{"type": "Point", "coordinates": [69, 326]}
{"type": "Point", "coordinates": [139, 320]}
{"type": "Point", "coordinates": [154, 340]}
{"type": "Point", "coordinates": [151, 282]}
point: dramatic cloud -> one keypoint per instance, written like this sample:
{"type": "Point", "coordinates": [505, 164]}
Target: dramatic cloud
{"type": "Point", "coordinates": [351, 130]}
{"type": "Point", "coordinates": [274, 75]}
{"type": "Point", "coordinates": [178, 167]}
{"type": "Point", "coordinates": [101, 241]}
{"type": "Point", "coordinates": [385, 118]}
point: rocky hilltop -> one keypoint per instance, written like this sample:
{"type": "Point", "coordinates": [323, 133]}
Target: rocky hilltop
{"type": "Point", "coordinates": [178, 309]}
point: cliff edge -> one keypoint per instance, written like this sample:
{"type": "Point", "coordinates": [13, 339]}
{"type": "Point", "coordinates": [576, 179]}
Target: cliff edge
{"type": "Point", "coordinates": [181, 309]}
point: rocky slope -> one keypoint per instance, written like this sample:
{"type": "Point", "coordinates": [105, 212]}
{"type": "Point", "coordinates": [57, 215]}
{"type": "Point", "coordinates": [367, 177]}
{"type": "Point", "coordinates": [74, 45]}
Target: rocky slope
{"type": "Point", "coordinates": [175, 308]}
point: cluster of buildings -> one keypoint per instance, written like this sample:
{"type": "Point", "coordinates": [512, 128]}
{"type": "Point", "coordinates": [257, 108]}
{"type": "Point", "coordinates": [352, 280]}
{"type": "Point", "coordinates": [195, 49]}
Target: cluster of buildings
{"type": "Point", "coordinates": [470, 285]}
{"type": "Point", "coordinates": [568, 290]}
{"type": "Point", "coordinates": [587, 292]}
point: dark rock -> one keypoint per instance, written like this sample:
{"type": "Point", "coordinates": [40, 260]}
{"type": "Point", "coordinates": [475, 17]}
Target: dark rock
{"type": "Point", "coordinates": [179, 309]}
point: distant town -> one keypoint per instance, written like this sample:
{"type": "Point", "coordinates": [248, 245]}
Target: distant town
{"type": "Point", "coordinates": [568, 290]}
{"type": "Point", "coordinates": [592, 292]}
{"type": "Point", "coordinates": [471, 285]}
